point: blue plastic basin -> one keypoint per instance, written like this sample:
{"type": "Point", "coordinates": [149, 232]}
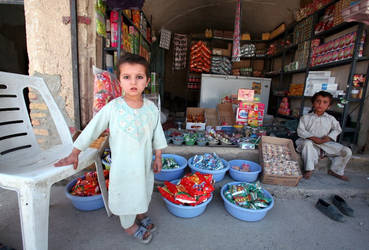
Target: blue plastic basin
{"type": "Point", "coordinates": [250, 176]}
{"type": "Point", "coordinates": [218, 175]}
{"type": "Point", "coordinates": [186, 211]}
{"type": "Point", "coordinates": [172, 174]}
{"type": "Point", "coordinates": [245, 214]}
{"type": "Point", "coordinates": [84, 203]}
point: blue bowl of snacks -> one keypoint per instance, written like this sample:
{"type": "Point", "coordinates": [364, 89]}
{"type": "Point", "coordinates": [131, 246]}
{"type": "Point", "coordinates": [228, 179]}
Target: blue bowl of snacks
{"type": "Point", "coordinates": [83, 203]}
{"type": "Point", "coordinates": [209, 164]}
{"type": "Point", "coordinates": [178, 140]}
{"type": "Point", "coordinates": [242, 170]}
{"type": "Point", "coordinates": [201, 141]}
{"type": "Point", "coordinates": [186, 211]}
{"type": "Point", "coordinates": [246, 201]}
{"type": "Point", "coordinates": [173, 167]}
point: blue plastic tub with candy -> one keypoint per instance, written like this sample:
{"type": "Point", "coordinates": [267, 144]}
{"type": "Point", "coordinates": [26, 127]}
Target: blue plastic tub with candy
{"type": "Point", "coordinates": [239, 173]}
{"type": "Point", "coordinates": [171, 173]}
{"type": "Point", "coordinates": [209, 164]}
{"type": "Point", "coordinates": [246, 206]}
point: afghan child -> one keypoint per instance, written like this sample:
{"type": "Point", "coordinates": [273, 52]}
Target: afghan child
{"type": "Point", "coordinates": [318, 132]}
{"type": "Point", "coordinates": [135, 131]}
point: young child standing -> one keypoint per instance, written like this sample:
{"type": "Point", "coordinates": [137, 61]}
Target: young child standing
{"type": "Point", "coordinates": [135, 130]}
{"type": "Point", "coordinates": [318, 132]}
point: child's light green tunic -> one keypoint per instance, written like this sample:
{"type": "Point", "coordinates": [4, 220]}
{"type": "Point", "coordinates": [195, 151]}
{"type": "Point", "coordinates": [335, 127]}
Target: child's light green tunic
{"type": "Point", "coordinates": [134, 133]}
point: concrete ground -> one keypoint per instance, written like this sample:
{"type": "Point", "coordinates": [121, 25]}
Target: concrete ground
{"type": "Point", "coordinates": [293, 223]}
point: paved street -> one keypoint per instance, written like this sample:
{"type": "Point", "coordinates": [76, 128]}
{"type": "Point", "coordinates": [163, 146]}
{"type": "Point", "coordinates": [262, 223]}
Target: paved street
{"type": "Point", "coordinates": [291, 224]}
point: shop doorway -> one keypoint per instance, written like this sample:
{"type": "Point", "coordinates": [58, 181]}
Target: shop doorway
{"type": "Point", "coordinates": [13, 48]}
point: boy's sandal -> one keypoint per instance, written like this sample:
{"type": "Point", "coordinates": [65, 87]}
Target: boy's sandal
{"type": "Point", "coordinates": [140, 234]}
{"type": "Point", "coordinates": [148, 224]}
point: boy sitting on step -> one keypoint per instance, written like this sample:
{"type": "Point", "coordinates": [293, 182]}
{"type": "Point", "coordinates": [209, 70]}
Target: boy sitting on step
{"type": "Point", "coordinates": [318, 132]}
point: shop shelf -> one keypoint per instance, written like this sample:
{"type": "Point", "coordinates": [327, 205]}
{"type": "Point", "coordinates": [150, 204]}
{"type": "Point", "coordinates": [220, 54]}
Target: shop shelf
{"type": "Point", "coordinates": [136, 28]}
{"type": "Point", "coordinates": [111, 49]}
{"type": "Point", "coordinates": [335, 29]}
{"type": "Point", "coordinates": [303, 70]}
{"type": "Point", "coordinates": [337, 63]}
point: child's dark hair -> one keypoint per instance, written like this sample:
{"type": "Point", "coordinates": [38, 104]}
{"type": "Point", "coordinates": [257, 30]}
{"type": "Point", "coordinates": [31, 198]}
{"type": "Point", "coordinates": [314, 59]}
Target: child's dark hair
{"type": "Point", "coordinates": [323, 94]}
{"type": "Point", "coordinates": [133, 59]}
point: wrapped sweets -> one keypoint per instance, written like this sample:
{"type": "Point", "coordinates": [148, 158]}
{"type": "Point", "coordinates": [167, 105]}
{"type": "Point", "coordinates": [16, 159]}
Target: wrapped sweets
{"type": "Point", "coordinates": [89, 185]}
{"type": "Point", "coordinates": [169, 163]}
{"type": "Point", "coordinates": [208, 162]}
{"type": "Point", "coordinates": [247, 195]}
{"type": "Point", "coordinates": [278, 161]}
{"type": "Point", "coordinates": [192, 189]}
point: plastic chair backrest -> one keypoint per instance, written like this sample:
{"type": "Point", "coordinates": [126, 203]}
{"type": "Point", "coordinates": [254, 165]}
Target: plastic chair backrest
{"type": "Point", "coordinates": [17, 139]}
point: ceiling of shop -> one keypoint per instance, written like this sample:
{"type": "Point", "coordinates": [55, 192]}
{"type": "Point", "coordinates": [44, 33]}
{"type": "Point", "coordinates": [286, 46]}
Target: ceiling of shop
{"type": "Point", "coordinates": [194, 16]}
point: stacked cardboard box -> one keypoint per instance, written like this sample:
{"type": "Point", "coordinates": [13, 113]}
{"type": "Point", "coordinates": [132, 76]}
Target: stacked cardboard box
{"type": "Point", "coordinates": [320, 80]}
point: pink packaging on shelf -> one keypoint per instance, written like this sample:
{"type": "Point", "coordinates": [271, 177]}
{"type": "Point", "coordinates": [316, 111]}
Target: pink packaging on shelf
{"type": "Point", "coordinates": [335, 56]}
{"type": "Point", "coordinates": [114, 16]}
{"type": "Point", "coordinates": [340, 54]}
{"type": "Point", "coordinates": [114, 34]}
{"type": "Point", "coordinates": [341, 41]}
{"type": "Point", "coordinates": [336, 44]}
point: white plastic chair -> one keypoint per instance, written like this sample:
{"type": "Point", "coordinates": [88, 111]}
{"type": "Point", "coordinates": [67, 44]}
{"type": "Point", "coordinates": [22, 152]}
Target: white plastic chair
{"type": "Point", "coordinates": [27, 169]}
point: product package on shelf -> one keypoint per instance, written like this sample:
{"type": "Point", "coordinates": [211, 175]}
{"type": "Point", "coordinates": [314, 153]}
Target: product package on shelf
{"type": "Point", "coordinates": [114, 15]}
{"type": "Point", "coordinates": [320, 81]}
{"type": "Point", "coordinates": [247, 50]}
{"type": "Point", "coordinates": [180, 51]}
{"type": "Point", "coordinates": [279, 161]}
{"type": "Point", "coordinates": [165, 36]}
{"type": "Point", "coordinates": [336, 50]}
{"type": "Point", "coordinates": [221, 65]}
{"type": "Point", "coordinates": [200, 57]}
{"type": "Point", "coordinates": [195, 119]}
{"type": "Point", "coordinates": [251, 114]}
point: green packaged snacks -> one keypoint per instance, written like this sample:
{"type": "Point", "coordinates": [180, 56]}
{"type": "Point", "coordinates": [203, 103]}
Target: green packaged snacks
{"type": "Point", "coordinates": [169, 163]}
{"type": "Point", "coordinates": [247, 195]}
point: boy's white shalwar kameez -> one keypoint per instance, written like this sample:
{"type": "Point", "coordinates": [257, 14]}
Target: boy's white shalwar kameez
{"type": "Point", "coordinates": [312, 125]}
{"type": "Point", "coordinates": [134, 133]}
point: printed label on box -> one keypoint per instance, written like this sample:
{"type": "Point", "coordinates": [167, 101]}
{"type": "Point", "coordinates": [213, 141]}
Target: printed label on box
{"type": "Point", "coordinates": [246, 95]}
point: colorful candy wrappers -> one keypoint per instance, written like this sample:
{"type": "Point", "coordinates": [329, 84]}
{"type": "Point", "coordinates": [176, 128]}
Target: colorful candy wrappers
{"type": "Point", "coordinates": [247, 195]}
{"type": "Point", "coordinates": [191, 190]}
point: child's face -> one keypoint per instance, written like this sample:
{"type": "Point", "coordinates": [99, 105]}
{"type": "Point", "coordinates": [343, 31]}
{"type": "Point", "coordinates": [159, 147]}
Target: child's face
{"type": "Point", "coordinates": [321, 104]}
{"type": "Point", "coordinates": [133, 79]}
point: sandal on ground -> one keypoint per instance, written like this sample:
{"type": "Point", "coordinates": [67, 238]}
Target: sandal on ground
{"type": "Point", "coordinates": [341, 177]}
{"type": "Point", "coordinates": [148, 224]}
{"type": "Point", "coordinates": [140, 234]}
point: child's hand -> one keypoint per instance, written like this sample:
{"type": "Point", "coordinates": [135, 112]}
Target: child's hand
{"type": "Point", "coordinates": [157, 165]}
{"type": "Point", "coordinates": [70, 159]}
{"type": "Point", "coordinates": [326, 139]}
{"type": "Point", "coordinates": [316, 140]}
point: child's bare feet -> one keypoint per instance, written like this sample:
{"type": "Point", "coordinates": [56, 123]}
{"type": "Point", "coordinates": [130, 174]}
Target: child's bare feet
{"type": "Point", "coordinates": [308, 174]}
{"type": "Point", "coordinates": [341, 177]}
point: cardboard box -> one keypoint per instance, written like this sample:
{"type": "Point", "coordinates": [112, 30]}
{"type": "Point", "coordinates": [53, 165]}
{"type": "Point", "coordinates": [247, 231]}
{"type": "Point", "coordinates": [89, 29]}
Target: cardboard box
{"type": "Point", "coordinates": [211, 117]}
{"type": "Point", "coordinates": [277, 179]}
{"type": "Point", "coordinates": [226, 115]}
{"type": "Point", "coordinates": [241, 64]}
{"type": "Point", "coordinates": [195, 125]}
